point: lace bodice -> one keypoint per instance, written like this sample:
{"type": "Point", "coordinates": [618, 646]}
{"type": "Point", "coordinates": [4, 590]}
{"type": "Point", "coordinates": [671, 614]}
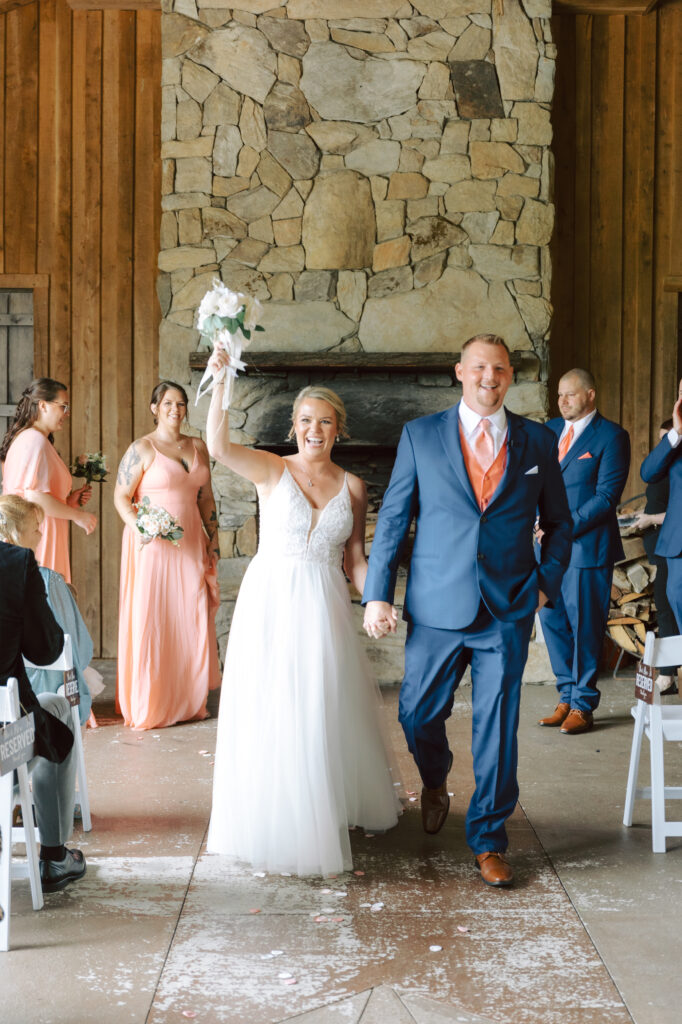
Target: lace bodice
{"type": "Point", "coordinates": [288, 526]}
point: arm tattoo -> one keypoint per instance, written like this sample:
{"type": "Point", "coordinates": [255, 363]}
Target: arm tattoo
{"type": "Point", "coordinates": [125, 471]}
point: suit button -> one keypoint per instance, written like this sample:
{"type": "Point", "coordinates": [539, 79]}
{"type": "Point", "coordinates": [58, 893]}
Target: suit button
{"type": "Point", "coordinates": [480, 557]}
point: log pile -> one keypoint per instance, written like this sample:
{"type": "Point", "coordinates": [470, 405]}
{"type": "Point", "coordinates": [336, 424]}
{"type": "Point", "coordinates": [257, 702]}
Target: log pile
{"type": "Point", "coordinates": [632, 610]}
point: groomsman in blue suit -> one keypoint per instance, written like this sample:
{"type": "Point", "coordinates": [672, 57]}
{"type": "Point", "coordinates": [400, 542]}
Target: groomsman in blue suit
{"type": "Point", "coordinates": [472, 477]}
{"type": "Point", "coordinates": [666, 460]}
{"type": "Point", "coordinates": [594, 455]}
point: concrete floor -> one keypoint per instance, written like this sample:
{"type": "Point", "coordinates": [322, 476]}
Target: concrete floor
{"type": "Point", "coordinates": [161, 932]}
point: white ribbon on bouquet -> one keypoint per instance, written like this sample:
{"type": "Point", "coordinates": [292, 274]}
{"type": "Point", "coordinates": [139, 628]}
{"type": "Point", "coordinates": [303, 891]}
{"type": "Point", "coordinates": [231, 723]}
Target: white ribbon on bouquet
{"type": "Point", "coordinates": [226, 320]}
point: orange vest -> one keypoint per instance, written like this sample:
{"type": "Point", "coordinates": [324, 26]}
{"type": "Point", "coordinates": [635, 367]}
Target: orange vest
{"type": "Point", "coordinates": [484, 484]}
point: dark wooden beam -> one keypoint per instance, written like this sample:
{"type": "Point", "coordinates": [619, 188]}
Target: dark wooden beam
{"type": "Point", "coordinates": [9, 5]}
{"type": "Point", "coordinates": [358, 362]}
{"type": "Point", "coordinates": [603, 6]}
{"type": "Point", "coordinates": [114, 5]}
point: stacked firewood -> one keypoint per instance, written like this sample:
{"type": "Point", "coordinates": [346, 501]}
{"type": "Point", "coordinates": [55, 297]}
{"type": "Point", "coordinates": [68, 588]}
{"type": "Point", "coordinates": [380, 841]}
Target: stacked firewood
{"type": "Point", "coordinates": [632, 611]}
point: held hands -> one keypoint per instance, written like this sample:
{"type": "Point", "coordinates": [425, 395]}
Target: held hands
{"type": "Point", "coordinates": [380, 618]}
{"type": "Point", "coordinates": [542, 600]}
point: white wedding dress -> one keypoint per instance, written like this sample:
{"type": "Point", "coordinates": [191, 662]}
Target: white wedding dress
{"type": "Point", "coordinates": [299, 753]}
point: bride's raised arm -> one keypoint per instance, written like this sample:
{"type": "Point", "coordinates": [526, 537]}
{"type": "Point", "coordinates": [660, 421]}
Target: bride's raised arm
{"type": "Point", "coordinates": [262, 468]}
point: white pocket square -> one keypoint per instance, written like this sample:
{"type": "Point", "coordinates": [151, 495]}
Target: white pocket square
{"type": "Point", "coordinates": [529, 472]}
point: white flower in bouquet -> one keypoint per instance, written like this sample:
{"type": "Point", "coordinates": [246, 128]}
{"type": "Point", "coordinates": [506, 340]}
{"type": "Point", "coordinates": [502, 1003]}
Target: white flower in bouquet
{"type": "Point", "coordinates": [226, 319]}
{"type": "Point", "coordinates": [153, 521]}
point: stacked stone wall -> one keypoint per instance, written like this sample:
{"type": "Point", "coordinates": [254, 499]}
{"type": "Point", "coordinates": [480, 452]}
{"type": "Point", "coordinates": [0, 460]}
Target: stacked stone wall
{"type": "Point", "coordinates": [377, 171]}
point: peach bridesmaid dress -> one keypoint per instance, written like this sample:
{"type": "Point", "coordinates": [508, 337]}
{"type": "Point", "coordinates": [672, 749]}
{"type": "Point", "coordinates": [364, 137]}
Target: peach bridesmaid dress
{"type": "Point", "coordinates": [167, 653]}
{"type": "Point", "coordinates": [33, 464]}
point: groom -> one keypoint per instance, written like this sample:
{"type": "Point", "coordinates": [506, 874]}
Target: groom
{"type": "Point", "coordinates": [474, 478]}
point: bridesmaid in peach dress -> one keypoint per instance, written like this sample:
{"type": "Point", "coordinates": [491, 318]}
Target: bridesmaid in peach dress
{"type": "Point", "coordinates": [34, 470]}
{"type": "Point", "coordinates": [167, 651]}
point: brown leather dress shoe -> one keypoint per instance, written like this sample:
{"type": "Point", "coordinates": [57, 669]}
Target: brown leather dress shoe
{"type": "Point", "coordinates": [494, 868]}
{"type": "Point", "coordinates": [561, 711]}
{"type": "Point", "coordinates": [577, 721]}
{"type": "Point", "coordinates": [435, 806]}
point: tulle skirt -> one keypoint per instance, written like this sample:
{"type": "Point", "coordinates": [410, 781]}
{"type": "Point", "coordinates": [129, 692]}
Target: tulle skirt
{"type": "Point", "coordinates": [300, 755]}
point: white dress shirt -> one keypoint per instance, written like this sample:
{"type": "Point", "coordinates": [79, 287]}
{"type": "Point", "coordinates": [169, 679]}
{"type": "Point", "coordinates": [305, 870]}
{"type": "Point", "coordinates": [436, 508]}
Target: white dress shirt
{"type": "Point", "coordinates": [470, 421]}
{"type": "Point", "coordinates": [674, 437]}
{"type": "Point", "coordinates": [578, 427]}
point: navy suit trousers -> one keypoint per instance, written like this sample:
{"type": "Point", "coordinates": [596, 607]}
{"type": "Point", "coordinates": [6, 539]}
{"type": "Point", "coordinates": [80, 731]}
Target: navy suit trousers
{"type": "Point", "coordinates": [574, 633]}
{"type": "Point", "coordinates": [435, 661]}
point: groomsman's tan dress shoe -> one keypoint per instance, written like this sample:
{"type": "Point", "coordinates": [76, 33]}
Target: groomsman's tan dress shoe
{"type": "Point", "coordinates": [561, 712]}
{"type": "Point", "coordinates": [494, 868]}
{"type": "Point", "coordinates": [577, 721]}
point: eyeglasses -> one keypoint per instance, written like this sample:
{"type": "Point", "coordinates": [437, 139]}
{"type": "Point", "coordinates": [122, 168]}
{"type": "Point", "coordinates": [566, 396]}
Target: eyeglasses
{"type": "Point", "coordinates": [64, 406]}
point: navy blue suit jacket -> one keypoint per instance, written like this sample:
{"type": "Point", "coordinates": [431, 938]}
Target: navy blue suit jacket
{"type": "Point", "coordinates": [667, 461]}
{"type": "Point", "coordinates": [594, 472]}
{"type": "Point", "coordinates": [460, 554]}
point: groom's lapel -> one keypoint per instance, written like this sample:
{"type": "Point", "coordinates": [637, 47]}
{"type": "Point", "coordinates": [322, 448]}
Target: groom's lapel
{"type": "Point", "coordinates": [448, 432]}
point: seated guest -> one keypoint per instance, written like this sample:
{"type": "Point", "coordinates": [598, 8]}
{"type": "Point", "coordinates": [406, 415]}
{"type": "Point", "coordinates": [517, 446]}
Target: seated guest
{"type": "Point", "coordinates": [649, 522]}
{"type": "Point", "coordinates": [28, 628]}
{"type": "Point", "coordinates": [23, 518]}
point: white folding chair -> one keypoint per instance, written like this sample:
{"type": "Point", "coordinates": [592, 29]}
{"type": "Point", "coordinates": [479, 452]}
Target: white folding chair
{"type": "Point", "coordinates": [658, 723]}
{"type": "Point", "coordinates": [63, 663]}
{"type": "Point", "coordinates": [10, 712]}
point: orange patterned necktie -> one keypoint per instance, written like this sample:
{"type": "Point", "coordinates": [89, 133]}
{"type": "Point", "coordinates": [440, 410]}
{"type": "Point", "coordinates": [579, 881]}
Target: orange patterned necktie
{"type": "Point", "coordinates": [484, 447]}
{"type": "Point", "coordinates": [565, 442]}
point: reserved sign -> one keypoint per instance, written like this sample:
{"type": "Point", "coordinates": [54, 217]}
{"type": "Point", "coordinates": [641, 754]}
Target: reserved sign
{"type": "Point", "coordinates": [71, 688]}
{"type": "Point", "coordinates": [17, 744]}
{"type": "Point", "coordinates": [644, 683]}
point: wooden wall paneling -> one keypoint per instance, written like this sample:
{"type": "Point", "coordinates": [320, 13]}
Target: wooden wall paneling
{"type": "Point", "coordinates": [21, 135]}
{"type": "Point", "coordinates": [86, 282]}
{"type": "Point", "coordinates": [562, 353]}
{"type": "Point", "coordinates": [54, 180]}
{"type": "Point", "coordinates": [118, 107]}
{"type": "Point", "coordinates": [638, 202]}
{"type": "Point", "coordinates": [147, 215]}
{"type": "Point", "coordinates": [583, 188]}
{"type": "Point", "coordinates": [664, 363]}
{"type": "Point", "coordinates": [606, 288]}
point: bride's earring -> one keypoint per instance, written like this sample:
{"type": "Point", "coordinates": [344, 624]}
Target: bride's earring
{"type": "Point", "coordinates": [338, 438]}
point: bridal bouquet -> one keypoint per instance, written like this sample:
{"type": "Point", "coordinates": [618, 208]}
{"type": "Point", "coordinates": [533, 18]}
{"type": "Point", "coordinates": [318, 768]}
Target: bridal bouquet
{"type": "Point", "coordinates": [154, 521]}
{"type": "Point", "coordinates": [91, 466]}
{"type": "Point", "coordinates": [226, 320]}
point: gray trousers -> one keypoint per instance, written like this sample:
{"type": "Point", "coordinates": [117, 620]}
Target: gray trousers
{"type": "Point", "coordinates": [54, 785]}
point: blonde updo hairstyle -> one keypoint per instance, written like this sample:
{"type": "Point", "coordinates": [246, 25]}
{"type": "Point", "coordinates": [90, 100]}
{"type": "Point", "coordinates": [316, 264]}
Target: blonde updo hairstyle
{"type": "Point", "coordinates": [322, 394]}
{"type": "Point", "coordinates": [15, 513]}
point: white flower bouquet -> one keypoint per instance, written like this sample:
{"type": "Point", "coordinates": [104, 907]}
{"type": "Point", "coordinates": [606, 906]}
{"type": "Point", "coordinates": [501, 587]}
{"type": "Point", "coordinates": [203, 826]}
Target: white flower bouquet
{"type": "Point", "coordinates": [226, 320]}
{"type": "Point", "coordinates": [154, 521]}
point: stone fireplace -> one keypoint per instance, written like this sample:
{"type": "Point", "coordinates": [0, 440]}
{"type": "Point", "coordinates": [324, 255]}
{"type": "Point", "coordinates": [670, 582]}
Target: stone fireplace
{"type": "Point", "coordinates": [378, 173]}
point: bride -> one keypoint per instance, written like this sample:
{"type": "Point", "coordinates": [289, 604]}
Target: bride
{"type": "Point", "coordinates": [299, 754]}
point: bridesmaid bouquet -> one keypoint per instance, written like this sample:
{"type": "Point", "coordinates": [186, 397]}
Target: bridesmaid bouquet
{"type": "Point", "coordinates": [91, 466]}
{"type": "Point", "coordinates": [154, 521]}
{"type": "Point", "coordinates": [226, 320]}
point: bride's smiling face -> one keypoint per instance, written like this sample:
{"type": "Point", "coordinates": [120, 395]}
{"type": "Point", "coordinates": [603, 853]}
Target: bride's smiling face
{"type": "Point", "coordinates": [315, 427]}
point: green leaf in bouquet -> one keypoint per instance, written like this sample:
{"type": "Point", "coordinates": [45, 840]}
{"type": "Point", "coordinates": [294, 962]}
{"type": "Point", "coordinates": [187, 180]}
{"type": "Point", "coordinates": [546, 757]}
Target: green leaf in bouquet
{"type": "Point", "coordinates": [247, 334]}
{"type": "Point", "coordinates": [258, 328]}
